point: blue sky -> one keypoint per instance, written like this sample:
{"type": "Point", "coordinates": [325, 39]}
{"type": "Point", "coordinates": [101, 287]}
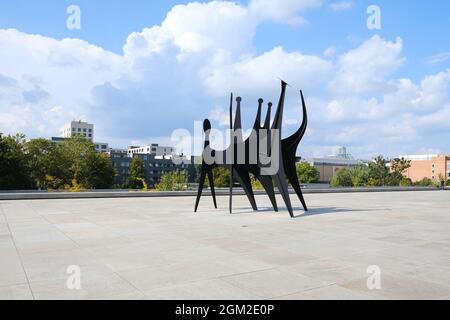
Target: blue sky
{"type": "Point", "coordinates": [421, 26]}
{"type": "Point", "coordinates": [107, 23]}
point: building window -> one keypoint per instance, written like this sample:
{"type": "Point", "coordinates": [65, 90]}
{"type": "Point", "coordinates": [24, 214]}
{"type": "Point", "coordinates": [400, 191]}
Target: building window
{"type": "Point", "coordinates": [79, 129]}
{"type": "Point", "coordinates": [90, 135]}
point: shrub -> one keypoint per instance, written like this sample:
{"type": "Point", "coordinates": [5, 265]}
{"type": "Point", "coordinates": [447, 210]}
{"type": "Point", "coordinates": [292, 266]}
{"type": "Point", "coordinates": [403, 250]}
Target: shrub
{"type": "Point", "coordinates": [256, 185]}
{"type": "Point", "coordinates": [343, 178]}
{"type": "Point", "coordinates": [425, 182]}
{"type": "Point", "coordinates": [360, 176]}
{"type": "Point", "coordinates": [406, 182]}
{"type": "Point", "coordinates": [307, 173]}
{"type": "Point", "coordinates": [173, 181]}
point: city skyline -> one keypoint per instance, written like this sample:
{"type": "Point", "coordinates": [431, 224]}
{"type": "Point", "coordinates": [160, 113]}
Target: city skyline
{"type": "Point", "coordinates": [382, 91]}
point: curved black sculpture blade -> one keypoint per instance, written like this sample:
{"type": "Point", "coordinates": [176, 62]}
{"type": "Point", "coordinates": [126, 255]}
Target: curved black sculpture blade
{"type": "Point", "coordinates": [279, 177]}
{"type": "Point", "coordinates": [289, 148]}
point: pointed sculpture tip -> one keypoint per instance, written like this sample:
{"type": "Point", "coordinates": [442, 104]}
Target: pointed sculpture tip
{"type": "Point", "coordinates": [284, 82]}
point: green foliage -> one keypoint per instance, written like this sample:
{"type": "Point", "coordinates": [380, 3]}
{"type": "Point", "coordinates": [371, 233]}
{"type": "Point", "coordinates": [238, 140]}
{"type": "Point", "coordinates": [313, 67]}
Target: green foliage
{"type": "Point", "coordinates": [71, 165]}
{"type": "Point", "coordinates": [256, 185]}
{"type": "Point", "coordinates": [144, 184]}
{"type": "Point", "coordinates": [136, 173]}
{"type": "Point", "coordinates": [378, 172]}
{"type": "Point", "coordinates": [307, 173]}
{"type": "Point", "coordinates": [360, 176]}
{"type": "Point", "coordinates": [96, 171]}
{"type": "Point", "coordinates": [173, 181]}
{"type": "Point", "coordinates": [398, 168]}
{"type": "Point", "coordinates": [221, 178]}
{"type": "Point", "coordinates": [343, 178]}
{"type": "Point", "coordinates": [400, 165]}
{"type": "Point", "coordinates": [14, 170]}
{"type": "Point", "coordinates": [198, 171]}
{"type": "Point", "coordinates": [406, 182]}
{"type": "Point", "coordinates": [425, 182]}
{"type": "Point", "coordinates": [448, 183]}
{"type": "Point", "coordinates": [39, 155]}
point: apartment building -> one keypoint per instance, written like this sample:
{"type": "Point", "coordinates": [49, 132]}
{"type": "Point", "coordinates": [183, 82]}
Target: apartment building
{"type": "Point", "coordinates": [101, 147]}
{"type": "Point", "coordinates": [83, 129]}
{"type": "Point", "coordinates": [432, 166]}
{"type": "Point", "coordinates": [153, 149]}
{"type": "Point", "coordinates": [155, 166]}
{"type": "Point", "coordinates": [78, 128]}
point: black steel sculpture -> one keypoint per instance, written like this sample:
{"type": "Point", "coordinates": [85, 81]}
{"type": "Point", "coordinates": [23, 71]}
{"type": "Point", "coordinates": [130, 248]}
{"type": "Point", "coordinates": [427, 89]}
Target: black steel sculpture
{"type": "Point", "coordinates": [263, 144]}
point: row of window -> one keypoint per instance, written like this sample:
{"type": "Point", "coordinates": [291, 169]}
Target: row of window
{"type": "Point", "coordinates": [80, 130]}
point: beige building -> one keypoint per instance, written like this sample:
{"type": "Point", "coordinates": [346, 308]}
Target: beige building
{"type": "Point", "coordinates": [328, 167]}
{"type": "Point", "coordinates": [431, 166]}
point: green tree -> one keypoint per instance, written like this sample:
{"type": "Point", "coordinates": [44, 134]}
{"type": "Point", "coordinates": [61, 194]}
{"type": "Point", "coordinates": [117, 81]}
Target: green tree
{"type": "Point", "coordinates": [96, 171]}
{"type": "Point", "coordinates": [360, 176]}
{"type": "Point", "coordinates": [136, 173]}
{"type": "Point", "coordinates": [343, 178]}
{"type": "Point", "coordinates": [39, 154]}
{"type": "Point", "coordinates": [398, 168]}
{"type": "Point", "coordinates": [221, 177]}
{"type": "Point", "coordinates": [307, 173]}
{"type": "Point", "coordinates": [400, 165]}
{"type": "Point", "coordinates": [14, 170]}
{"type": "Point", "coordinates": [68, 163]}
{"type": "Point", "coordinates": [173, 181]}
{"type": "Point", "coordinates": [378, 172]}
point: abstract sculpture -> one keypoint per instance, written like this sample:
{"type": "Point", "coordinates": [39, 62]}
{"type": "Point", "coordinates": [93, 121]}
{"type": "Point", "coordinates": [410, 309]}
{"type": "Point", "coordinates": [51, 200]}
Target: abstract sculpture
{"type": "Point", "coordinates": [251, 156]}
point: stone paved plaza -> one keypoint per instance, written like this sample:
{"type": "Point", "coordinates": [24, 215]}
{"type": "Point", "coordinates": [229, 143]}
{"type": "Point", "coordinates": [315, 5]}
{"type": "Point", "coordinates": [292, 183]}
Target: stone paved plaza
{"type": "Point", "coordinates": [157, 248]}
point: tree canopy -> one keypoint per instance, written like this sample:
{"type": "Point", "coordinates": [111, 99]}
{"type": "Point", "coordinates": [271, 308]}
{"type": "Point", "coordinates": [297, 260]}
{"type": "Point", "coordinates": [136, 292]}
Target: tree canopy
{"type": "Point", "coordinates": [41, 164]}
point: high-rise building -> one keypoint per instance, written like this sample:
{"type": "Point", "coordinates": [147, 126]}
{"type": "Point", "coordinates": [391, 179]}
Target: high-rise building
{"type": "Point", "coordinates": [78, 128]}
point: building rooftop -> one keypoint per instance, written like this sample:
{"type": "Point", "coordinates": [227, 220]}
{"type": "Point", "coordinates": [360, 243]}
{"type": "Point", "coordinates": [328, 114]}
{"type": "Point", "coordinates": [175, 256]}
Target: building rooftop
{"type": "Point", "coordinates": [157, 248]}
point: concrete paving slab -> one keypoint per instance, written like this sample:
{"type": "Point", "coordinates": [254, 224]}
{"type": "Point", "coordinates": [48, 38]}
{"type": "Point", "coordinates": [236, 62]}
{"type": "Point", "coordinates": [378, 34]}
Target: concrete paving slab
{"type": "Point", "coordinates": [157, 248]}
